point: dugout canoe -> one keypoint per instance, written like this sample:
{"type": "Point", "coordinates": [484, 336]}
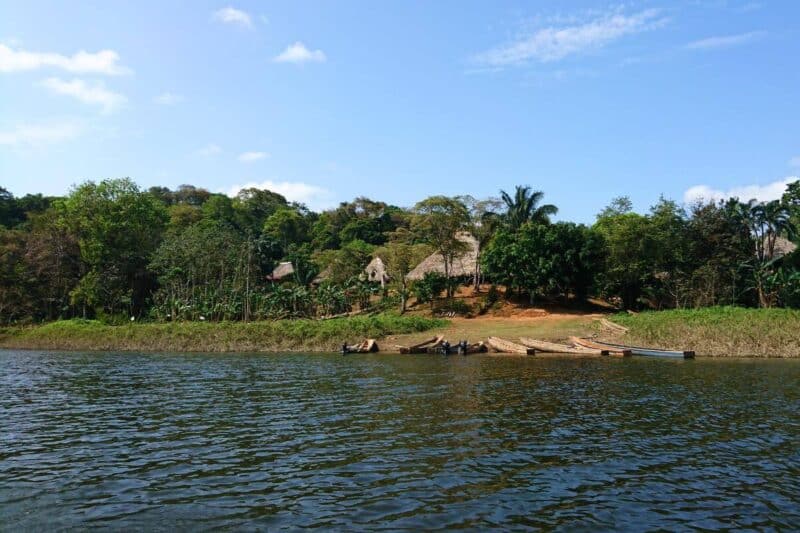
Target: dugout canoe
{"type": "Point", "coordinates": [553, 347]}
{"type": "Point", "coordinates": [594, 345]}
{"type": "Point", "coordinates": [477, 347]}
{"type": "Point", "coordinates": [649, 352]}
{"type": "Point", "coordinates": [423, 347]}
{"type": "Point", "coordinates": [366, 346]}
{"type": "Point", "coordinates": [505, 346]}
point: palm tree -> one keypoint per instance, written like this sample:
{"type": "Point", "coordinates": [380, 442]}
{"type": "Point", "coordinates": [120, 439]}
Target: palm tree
{"type": "Point", "coordinates": [771, 220]}
{"type": "Point", "coordinates": [524, 207]}
{"type": "Point", "coordinates": [766, 221]}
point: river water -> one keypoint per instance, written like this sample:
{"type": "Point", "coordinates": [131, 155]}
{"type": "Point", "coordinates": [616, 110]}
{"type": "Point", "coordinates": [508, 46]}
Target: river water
{"type": "Point", "coordinates": [165, 441]}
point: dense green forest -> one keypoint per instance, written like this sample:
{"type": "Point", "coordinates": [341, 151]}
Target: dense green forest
{"type": "Point", "coordinates": [114, 252]}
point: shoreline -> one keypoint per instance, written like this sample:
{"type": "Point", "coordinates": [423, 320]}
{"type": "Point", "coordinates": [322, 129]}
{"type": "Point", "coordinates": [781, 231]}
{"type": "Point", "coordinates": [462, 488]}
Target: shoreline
{"type": "Point", "coordinates": [711, 333]}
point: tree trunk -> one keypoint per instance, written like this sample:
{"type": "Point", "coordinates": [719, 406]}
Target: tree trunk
{"type": "Point", "coordinates": [477, 285]}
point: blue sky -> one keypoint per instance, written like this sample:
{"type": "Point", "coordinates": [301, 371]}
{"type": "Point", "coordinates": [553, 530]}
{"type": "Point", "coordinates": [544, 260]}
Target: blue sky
{"type": "Point", "coordinates": [324, 101]}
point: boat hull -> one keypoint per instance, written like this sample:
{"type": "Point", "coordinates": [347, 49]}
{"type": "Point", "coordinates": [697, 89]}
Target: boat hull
{"type": "Point", "coordinates": [594, 345]}
{"type": "Point", "coordinates": [552, 347]}
{"type": "Point", "coordinates": [504, 346]}
{"type": "Point", "coordinates": [651, 352]}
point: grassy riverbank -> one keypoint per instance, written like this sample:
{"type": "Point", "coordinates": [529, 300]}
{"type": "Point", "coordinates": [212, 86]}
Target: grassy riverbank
{"type": "Point", "coordinates": [718, 331]}
{"type": "Point", "coordinates": [279, 335]}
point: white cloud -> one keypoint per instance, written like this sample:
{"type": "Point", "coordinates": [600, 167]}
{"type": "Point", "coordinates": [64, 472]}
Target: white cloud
{"type": "Point", "coordinates": [231, 15]}
{"type": "Point", "coordinates": [557, 42]}
{"type": "Point", "coordinates": [298, 53]}
{"type": "Point", "coordinates": [249, 157]}
{"type": "Point", "coordinates": [795, 161]}
{"type": "Point", "coordinates": [88, 93]}
{"type": "Point", "coordinates": [102, 62]}
{"type": "Point", "coordinates": [762, 193]}
{"type": "Point", "coordinates": [209, 150]}
{"type": "Point", "coordinates": [295, 191]}
{"type": "Point", "coordinates": [724, 41]}
{"type": "Point", "coordinates": [168, 98]}
{"type": "Point", "coordinates": [36, 135]}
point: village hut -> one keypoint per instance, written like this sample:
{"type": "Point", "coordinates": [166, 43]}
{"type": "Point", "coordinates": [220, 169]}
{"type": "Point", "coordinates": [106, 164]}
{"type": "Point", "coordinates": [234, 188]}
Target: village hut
{"type": "Point", "coordinates": [376, 272]}
{"type": "Point", "coordinates": [783, 247]}
{"type": "Point", "coordinates": [282, 271]}
{"type": "Point", "coordinates": [464, 264]}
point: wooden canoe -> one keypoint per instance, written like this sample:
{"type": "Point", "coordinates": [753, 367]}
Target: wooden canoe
{"type": "Point", "coordinates": [477, 347]}
{"type": "Point", "coordinates": [366, 346]}
{"type": "Point", "coordinates": [423, 347]}
{"type": "Point", "coordinates": [436, 349]}
{"type": "Point", "coordinates": [586, 343]}
{"type": "Point", "coordinates": [650, 352]}
{"type": "Point", "coordinates": [552, 347]}
{"type": "Point", "coordinates": [505, 346]}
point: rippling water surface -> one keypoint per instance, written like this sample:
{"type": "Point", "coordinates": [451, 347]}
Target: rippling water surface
{"type": "Point", "coordinates": [245, 441]}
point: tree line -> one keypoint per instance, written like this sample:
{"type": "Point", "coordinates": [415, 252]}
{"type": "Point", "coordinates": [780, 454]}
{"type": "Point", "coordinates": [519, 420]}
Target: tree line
{"type": "Point", "coordinates": [113, 251]}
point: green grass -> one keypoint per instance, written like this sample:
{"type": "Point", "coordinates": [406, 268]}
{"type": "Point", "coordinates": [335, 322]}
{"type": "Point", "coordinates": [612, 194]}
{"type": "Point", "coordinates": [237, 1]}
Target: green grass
{"type": "Point", "coordinates": [279, 335]}
{"type": "Point", "coordinates": [718, 331]}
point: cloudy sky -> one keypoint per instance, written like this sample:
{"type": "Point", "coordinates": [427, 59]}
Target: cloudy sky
{"type": "Point", "coordinates": [324, 101]}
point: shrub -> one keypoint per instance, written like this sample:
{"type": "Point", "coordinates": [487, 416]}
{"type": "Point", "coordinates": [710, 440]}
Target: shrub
{"type": "Point", "coordinates": [429, 287]}
{"type": "Point", "coordinates": [459, 307]}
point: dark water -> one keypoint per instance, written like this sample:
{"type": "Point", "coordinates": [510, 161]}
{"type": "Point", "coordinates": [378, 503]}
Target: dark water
{"type": "Point", "coordinates": [161, 442]}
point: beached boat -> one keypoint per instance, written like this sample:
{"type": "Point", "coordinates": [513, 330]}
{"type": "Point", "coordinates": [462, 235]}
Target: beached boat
{"type": "Point", "coordinates": [453, 349]}
{"type": "Point", "coordinates": [553, 347]}
{"type": "Point", "coordinates": [649, 352]}
{"type": "Point", "coordinates": [476, 347]}
{"type": "Point", "coordinates": [612, 350]}
{"type": "Point", "coordinates": [423, 347]}
{"type": "Point", "coordinates": [365, 346]}
{"type": "Point", "coordinates": [505, 346]}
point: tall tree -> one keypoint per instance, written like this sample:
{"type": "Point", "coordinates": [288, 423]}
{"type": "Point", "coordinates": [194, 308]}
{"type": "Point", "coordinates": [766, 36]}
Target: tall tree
{"type": "Point", "coordinates": [524, 207]}
{"type": "Point", "coordinates": [719, 251]}
{"type": "Point", "coordinates": [10, 214]}
{"type": "Point", "coordinates": [255, 206]}
{"type": "Point", "coordinates": [52, 257]}
{"type": "Point", "coordinates": [117, 227]}
{"type": "Point", "coordinates": [548, 260]}
{"type": "Point", "coordinates": [399, 257]}
{"type": "Point", "coordinates": [484, 219]}
{"type": "Point", "coordinates": [287, 226]}
{"type": "Point", "coordinates": [438, 221]}
{"type": "Point", "coordinates": [768, 221]}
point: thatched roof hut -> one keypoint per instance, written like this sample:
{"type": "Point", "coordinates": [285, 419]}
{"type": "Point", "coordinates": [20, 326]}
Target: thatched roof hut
{"type": "Point", "coordinates": [783, 247]}
{"type": "Point", "coordinates": [283, 270]}
{"type": "Point", "coordinates": [376, 271]}
{"type": "Point", "coordinates": [463, 265]}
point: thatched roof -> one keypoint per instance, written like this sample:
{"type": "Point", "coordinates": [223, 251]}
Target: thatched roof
{"type": "Point", "coordinates": [783, 247]}
{"type": "Point", "coordinates": [284, 269]}
{"type": "Point", "coordinates": [376, 271]}
{"type": "Point", "coordinates": [463, 264]}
